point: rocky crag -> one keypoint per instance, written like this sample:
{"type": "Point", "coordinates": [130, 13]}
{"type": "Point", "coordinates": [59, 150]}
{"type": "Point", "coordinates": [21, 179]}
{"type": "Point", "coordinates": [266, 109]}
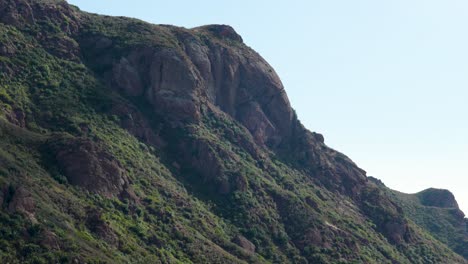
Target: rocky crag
{"type": "Point", "coordinates": [127, 142]}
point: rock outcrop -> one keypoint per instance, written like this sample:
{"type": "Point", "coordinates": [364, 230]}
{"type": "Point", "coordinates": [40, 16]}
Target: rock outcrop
{"type": "Point", "coordinates": [21, 201]}
{"type": "Point", "coordinates": [438, 198]}
{"type": "Point", "coordinates": [85, 164]}
{"type": "Point", "coordinates": [98, 226]}
{"type": "Point", "coordinates": [205, 72]}
{"type": "Point", "coordinates": [129, 142]}
{"type": "Point", "coordinates": [244, 243]}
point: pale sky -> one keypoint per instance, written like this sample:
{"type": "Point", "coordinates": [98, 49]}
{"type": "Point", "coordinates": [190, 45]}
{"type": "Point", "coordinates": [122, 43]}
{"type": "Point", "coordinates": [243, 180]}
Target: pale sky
{"type": "Point", "coordinates": [386, 82]}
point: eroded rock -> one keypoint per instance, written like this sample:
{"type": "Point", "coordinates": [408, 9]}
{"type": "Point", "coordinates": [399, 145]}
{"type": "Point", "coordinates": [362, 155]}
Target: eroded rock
{"type": "Point", "coordinates": [16, 117]}
{"type": "Point", "coordinates": [244, 243]}
{"type": "Point", "coordinates": [88, 165]}
{"type": "Point", "coordinates": [17, 12]}
{"type": "Point", "coordinates": [50, 240]}
{"type": "Point", "coordinates": [96, 224]}
{"type": "Point", "coordinates": [222, 31]}
{"type": "Point", "coordinates": [22, 201]}
{"type": "Point", "coordinates": [127, 78]}
{"type": "Point", "coordinates": [437, 198]}
{"type": "Point", "coordinates": [136, 124]}
{"type": "Point", "coordinates": [387, 216]}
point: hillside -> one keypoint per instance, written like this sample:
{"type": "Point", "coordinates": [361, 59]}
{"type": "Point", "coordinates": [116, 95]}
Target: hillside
{"type": "Point", "coordinates": [127, 142]}
{"type": "Point", "coordinates": [435, 210]}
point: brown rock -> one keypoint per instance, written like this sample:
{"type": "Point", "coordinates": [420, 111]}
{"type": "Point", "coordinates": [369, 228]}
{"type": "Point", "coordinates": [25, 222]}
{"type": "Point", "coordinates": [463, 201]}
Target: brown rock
{"type": "Point", "coordinates": [396, 230]}
{"type": "Point", "coordinates": [173, 85]}
{"type": "Point", "coordinates": [98, 226]}
{"type": "Point", "coordinates": [16, 117]}
{"type": "Point", "coordinates": [244, 243]}
{"type": "Point", "coordinates": [7, 49]}
{"type": "Point", "coordinates": [129, 194]}
{"type": "Point", "coordinates": [177, 81]}
{"type": "Point", "coordinates": [241, 182]}
{"type": "Point", "coordinates": [21, 13]}
{"type": "Point", "coordinates": [136, 124]}
{"type": "Point", "coordinates": [314, 237]}
{"type": "Point", "coordinates": [437, 198]}
{"type": "Point", "coordinates": [16, 12]}
{"type": "Point", "coordinates": [63, 47]}
{"type": "Point", "coordinates": [254, 119]}
{"type": "Point", "coordinates": [204, 159]}
{"type": "Point", "coordinates": [386, 215]}
{"type": "Point", "coordinates": [22, 202]}
{"type": "Point", "coordinates": [127, 78]}
{"type": "Point", "coordinates": [50, 240]}
{"type": "Point", "coordinates": [87, 165]}
{"type": "Point", "coordinates": [205, 70]}
{"type": "Point", "coordinates": [222, 31]}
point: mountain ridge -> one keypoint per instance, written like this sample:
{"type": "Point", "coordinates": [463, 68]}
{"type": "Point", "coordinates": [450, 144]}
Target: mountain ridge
{"type": "Point", "coordinates": [133, 142]}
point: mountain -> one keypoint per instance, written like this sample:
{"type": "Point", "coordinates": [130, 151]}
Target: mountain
{"type": "Point", "coordinates": [437, 211]}
{"type": "Point", "coordinates": [127, 142]}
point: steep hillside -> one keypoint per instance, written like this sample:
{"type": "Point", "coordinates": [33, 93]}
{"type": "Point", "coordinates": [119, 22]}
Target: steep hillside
{"type": "Point", "coordinates": [126, 142]}
{"type": "Point", "coordinates": [436, 211]}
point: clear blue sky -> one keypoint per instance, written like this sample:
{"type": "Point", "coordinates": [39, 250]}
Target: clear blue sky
{"type": "Point", "coordinates": [386, 82]}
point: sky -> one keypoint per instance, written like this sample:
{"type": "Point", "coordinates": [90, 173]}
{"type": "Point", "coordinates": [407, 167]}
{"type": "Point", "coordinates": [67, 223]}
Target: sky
{"type": "Point", "coordinates": [386, 82]}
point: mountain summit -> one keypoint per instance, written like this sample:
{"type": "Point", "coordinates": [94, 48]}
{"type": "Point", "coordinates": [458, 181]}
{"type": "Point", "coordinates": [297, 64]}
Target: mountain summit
{"type": "Point", "coordinates": [127, 142]}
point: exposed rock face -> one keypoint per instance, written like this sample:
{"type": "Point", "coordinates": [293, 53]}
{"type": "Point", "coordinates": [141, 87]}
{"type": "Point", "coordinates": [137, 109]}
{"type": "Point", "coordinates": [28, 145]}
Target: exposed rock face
{"type": "Point", "coordinates": [244, 243]}
{"type": "Point", "coordinates": [21, 13]}
{"type": "Point", "coordinates": [175, 81]}
{"type": "Point", "coordinates": [334, 170]}
{"type": "Point", "coordinates": [213, 146]}
{"type": "Point", "coordinates": [16, 12]}
{"type": "Point", "coordinates": [136, 124]}
{"type": "Point", "coordinates": [222, 32]}
{"type": "Point", "coordinates": [22, 201]}
{"type": "Point", "coordinates": [87, 165]}
{"type": "Point", "coordinates": [207, 73]}
{"type": "Point", "coordinates": [16, 117]}
{"type": "Point", "coordinates": [438, 198]}
{"type": "Point", "coordinates": [97, 225]}
{"type": "Point", "coordinates": [387, 215]}
{"type": "Point", "coordinates": [50, 240]}
{"type": "Point", "coordinates": [7, 49]}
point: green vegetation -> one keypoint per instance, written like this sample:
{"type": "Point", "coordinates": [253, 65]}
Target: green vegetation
{"type": "Point", "coordinates": [446, 224]}
{"type": "Point", "coordinates": [56, 98]}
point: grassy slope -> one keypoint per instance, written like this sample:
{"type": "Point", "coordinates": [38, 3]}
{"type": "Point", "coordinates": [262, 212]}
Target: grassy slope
{"type": "Point", "coordinates": [177, 219]}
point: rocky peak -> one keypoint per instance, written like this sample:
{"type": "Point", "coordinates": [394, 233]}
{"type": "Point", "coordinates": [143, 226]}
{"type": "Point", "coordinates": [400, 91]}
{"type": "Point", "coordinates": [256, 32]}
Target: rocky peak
{"type": "Point", "coordinates": [213, 145]}
{"type": "Point", "coordinates": [22, 13]}
{"type": "Point", "coordinates": [437, 198]}
{"type": "Point", "coordinates": [221, 32]}
{"type": "Point", "coordinates": [16, 12]}
{"type": "Point", "coordinates": [204, 71]}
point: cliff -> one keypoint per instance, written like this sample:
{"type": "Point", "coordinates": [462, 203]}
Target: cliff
{"type": "Point", "coordinates": [123, 141]}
